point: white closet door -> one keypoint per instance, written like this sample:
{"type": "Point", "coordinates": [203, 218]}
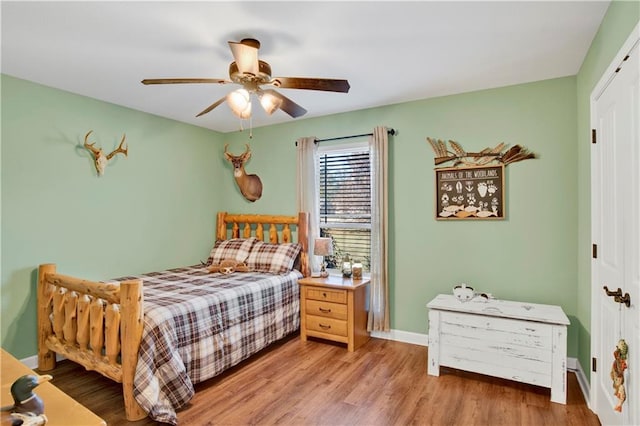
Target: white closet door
{"type": "Point", "coordinates": [616, 231]}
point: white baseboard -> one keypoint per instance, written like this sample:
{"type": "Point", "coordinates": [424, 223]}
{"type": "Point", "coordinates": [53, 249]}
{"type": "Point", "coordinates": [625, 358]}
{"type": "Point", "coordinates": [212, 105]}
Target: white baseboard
{"type": "Point", "coordinates": [32, 361]}
{"type": "Point", "coordinates": [423, 340]}
{"type": "Point", "coordinates": [403, 336]}
{"type": "Point", "coordinates": [584, 384]}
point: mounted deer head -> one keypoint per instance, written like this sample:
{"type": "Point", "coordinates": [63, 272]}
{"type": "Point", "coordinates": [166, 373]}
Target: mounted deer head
{"type": "Point", "coordinates": [100, 159]}
{"type": "Point", "coordinates": [250, 185]}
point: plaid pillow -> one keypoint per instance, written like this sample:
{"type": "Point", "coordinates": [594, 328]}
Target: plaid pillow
{"type": "Point", "coordinates": [237, 249]}
{"type": "Point", "coordinates": [273, 258]}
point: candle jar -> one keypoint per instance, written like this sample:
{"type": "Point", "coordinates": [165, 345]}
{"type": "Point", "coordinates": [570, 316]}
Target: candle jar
{"type": "Point", "coordinates": [346, 267]}
{"type": "Point", "coordinates": [357, 271]}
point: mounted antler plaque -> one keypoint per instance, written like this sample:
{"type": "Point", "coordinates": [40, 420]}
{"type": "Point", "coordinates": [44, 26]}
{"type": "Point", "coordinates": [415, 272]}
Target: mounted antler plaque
{"type": "Point", "coordinates": [498, 154]}
{"type": "Point", "coordinates": [99, 157]}
{"type": "Point", "coordinates": [250, 185]}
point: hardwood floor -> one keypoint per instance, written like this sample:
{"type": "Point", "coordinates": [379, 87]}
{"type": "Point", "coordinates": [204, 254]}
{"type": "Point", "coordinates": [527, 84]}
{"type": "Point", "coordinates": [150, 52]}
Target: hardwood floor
{"type": "Point", "coordinates": [320, 383]}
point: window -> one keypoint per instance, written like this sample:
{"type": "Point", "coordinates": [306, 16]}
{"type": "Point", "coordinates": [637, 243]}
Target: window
{"type": "Point", "coordinates": [345, 201]}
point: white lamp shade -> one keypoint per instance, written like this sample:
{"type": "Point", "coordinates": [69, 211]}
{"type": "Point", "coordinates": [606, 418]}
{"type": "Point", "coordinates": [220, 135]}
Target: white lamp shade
{"type": "Point", "coordinates": [240, 103]}
{"type": "Point", "coordinates": [269, 101]}
{"type": "Point", "coordinates": [322, 247]}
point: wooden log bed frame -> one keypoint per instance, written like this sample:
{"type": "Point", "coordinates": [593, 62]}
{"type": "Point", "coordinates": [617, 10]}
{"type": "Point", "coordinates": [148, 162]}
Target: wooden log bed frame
{"type": "Point", "coordinates": [99, 325]}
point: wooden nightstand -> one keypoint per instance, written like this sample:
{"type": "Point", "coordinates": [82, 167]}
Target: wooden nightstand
{"type": "Point", "coordinates": [333, 308]}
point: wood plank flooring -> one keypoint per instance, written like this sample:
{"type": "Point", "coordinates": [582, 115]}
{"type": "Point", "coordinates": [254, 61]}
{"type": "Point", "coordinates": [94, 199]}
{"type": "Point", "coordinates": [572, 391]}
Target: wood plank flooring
{"type": "Point", "coordinates": [320, 383]}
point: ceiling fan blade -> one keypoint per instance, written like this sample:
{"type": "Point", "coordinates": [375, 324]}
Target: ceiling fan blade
{"type": "Point", "coordinates": [326, 84]}
{"type": "Point", "coordinates": [288, 106]}
{"type": "Point", "coordinates": [183, 80]}
{"type": "Point", "coordinates": [212, 106]}
{"type": "Point", "coordinates": [245, 53]}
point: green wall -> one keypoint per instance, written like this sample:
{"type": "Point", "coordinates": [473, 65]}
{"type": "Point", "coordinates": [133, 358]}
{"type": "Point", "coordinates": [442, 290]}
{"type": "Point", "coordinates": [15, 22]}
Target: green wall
{"type": "Point", "coordinates": [157, 206]}
{"type": "Point", "coordinates": [620, 20]}
{"type": "Point", "coordinates": [154, 209]}
{"type": "Point", "coordinates": [529, 256]}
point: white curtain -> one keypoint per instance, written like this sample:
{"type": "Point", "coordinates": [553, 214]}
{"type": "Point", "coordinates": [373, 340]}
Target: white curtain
{"type": "Point", "coordinates": [307, 179]}
{"type": "Point", "coordinates": [379, 287]}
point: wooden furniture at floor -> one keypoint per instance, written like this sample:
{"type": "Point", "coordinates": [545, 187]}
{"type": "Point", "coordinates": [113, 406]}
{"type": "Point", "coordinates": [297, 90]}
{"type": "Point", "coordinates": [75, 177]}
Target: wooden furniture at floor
{"type": "Point", "coordinates": [334, 308]}
{"type": "Point", "coordinates": [59, 407]}
{"type": "Point", "coordinates": [108, 342]}
{"type": "Point", "coordinates": [525, 342]}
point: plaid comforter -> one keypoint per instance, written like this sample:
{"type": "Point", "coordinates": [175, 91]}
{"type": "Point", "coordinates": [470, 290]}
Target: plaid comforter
{"type": "Point", "coordinates": [198, 324]}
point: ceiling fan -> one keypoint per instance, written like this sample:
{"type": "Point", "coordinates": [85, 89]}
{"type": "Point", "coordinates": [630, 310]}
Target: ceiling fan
{"type": "Point", "coordinates": [252, 73]}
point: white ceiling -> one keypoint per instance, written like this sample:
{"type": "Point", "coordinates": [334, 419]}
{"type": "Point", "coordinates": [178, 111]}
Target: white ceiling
{"type": "Point", "coordinates": [390, 52]}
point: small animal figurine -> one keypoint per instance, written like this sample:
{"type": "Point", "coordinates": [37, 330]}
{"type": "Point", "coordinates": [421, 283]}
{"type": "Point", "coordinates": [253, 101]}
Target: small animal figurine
{"type": "Point", "coordinates": [24, 400]}
{"type": "Point", "coordinates": [617, 373]}
{"type": "Point", "coordinates": [463, 292]}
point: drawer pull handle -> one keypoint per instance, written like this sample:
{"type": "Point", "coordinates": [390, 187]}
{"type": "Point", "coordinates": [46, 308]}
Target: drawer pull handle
{"type": "Point", "coordinates": [324, 294]}
{"type": "Point", "coordinates": [324, 327]}
{"type": "Point", "coordinates": [324, 311]}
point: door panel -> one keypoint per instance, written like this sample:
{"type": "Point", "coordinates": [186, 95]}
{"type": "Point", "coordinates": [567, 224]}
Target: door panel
{"type": "Point", "coordinates": [631, 320]}
{"type": "Point", "coordinates": [615, 229]}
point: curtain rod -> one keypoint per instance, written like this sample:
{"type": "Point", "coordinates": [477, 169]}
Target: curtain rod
{"type": "Point", "coordinates": [389, 131]}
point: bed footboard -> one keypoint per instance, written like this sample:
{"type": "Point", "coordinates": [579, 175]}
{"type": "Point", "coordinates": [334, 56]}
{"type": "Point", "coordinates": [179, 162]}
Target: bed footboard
{"type": "Point", "coordinates": [98, 325]}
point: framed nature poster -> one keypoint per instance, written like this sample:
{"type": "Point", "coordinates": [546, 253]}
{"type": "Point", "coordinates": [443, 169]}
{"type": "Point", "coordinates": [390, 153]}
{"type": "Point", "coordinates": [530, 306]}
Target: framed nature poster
{"type": "Point", "coordinates": [470, 193]}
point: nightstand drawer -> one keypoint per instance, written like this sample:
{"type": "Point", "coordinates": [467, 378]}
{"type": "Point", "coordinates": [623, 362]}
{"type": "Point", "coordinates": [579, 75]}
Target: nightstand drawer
{"type": "Point", "coordinates": [327, 325]}
{"type": "Point", "coordinates": [327, 309]}
{"type": "Point", "coordinates": [328, 295]}
{"type": "Point", "coordinates": [334, 308]}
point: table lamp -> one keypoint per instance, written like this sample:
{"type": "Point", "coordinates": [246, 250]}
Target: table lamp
{"type": "Point", "coordinates": [323, 247]}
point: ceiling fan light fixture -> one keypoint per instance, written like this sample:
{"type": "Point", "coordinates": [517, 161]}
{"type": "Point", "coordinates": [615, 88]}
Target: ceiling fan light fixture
{"type": "Point", "coordinates": [270, 102]}
{"type": "Point", "coordinates": [252, 73]}
{"type": "Point", "coordinates": [240, 103]}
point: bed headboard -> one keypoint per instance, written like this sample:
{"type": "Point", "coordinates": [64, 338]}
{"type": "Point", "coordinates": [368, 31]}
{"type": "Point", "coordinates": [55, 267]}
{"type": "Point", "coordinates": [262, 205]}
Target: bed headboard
{"type": "Point", "coordinates": [278, 229]}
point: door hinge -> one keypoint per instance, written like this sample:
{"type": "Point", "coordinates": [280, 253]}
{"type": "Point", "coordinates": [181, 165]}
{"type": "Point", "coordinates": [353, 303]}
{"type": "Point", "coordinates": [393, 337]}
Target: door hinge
{"type": "Point", "coordinates": [594, 251]}
{"type": "Point", "coordinates": [594, 365]}
{"type": "Point", "coordinates": [593, 135]}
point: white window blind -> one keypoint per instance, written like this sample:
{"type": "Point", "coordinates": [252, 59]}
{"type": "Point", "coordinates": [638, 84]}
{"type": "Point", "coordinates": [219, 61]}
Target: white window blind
{"type": "Point", "coordinates": [345, 201]}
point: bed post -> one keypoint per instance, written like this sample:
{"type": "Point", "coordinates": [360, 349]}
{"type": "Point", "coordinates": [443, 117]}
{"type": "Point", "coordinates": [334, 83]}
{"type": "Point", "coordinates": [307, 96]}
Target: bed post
{"type": "Point", "coordinates": [221, 227]}
{"type": "Point", "coordinates": [303, 239]}
{"type": "Point", "coordinates": [131, 301]}
{"type": "Point", "coordinates": [46, 357]}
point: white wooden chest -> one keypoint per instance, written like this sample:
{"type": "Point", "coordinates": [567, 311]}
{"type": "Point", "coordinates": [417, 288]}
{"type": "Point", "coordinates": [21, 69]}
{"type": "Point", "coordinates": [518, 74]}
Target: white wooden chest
{"type": "Point", "coordinates": [525, 342]}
